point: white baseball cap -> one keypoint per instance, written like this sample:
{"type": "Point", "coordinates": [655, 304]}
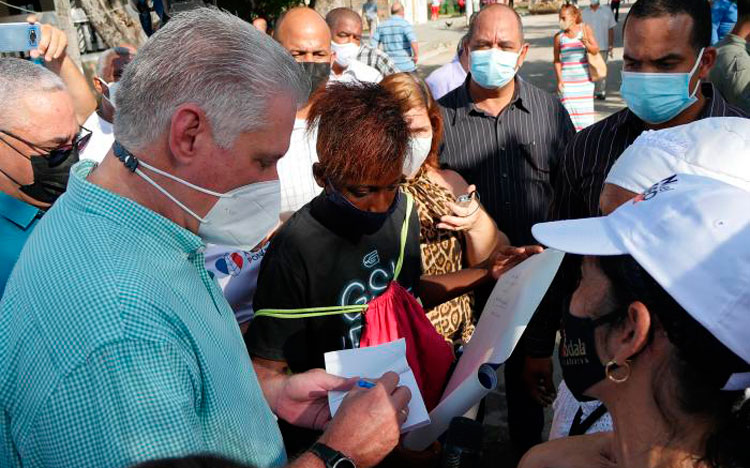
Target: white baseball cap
{"type": "Point", "coordinates": [692, 235]}
{"type": "Point", "coordinates": [717, 147]}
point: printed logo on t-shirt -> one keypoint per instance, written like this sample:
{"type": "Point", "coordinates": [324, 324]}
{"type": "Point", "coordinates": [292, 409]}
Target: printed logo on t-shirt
{"type": "Point", "coordinates": [371, 259]}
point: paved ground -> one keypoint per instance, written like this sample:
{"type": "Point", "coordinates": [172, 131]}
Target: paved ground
{"type": "Point", "coordinates": [437, 41]}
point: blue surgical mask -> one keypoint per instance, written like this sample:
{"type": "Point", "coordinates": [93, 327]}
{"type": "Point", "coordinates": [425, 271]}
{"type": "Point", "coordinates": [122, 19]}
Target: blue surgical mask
{"type": "Point", "coordinates": [659, 97]}
{"type": "Point", "coordinates": [494, 68]}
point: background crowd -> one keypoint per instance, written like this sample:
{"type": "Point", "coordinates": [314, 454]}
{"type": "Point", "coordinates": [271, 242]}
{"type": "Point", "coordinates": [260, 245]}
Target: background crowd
{"type": "Point", "coordinates": [186, 234]}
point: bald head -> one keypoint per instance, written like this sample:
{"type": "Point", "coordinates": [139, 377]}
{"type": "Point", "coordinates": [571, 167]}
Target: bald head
{"type": "Point", "coordinates": [497, 17]}
{"type": "Point", "coordinates": [397, 9]}
{"type": "Point", "coordinates": [305, 34]}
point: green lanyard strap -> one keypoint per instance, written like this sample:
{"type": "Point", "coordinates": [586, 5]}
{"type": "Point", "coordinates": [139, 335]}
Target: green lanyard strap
{"type": "Point", "coordinates": [347, 309]}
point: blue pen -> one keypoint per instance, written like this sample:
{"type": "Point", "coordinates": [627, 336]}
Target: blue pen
{"type": "Point", "coordinates": [364, 383]}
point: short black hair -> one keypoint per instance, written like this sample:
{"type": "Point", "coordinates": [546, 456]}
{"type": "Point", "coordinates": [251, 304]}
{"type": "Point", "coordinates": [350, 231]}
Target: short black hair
{"type": "Point", "coordinates": [475, 16]}
{"type": "Point", "coordinates": [698, 10]}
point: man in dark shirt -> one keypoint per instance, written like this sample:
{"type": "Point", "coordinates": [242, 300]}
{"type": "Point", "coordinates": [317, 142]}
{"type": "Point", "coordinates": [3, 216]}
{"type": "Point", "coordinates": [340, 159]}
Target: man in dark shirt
{"type": "Point", "coordinates": [506, 136]}
{"type": "Point", "coordinates": [660, 37]}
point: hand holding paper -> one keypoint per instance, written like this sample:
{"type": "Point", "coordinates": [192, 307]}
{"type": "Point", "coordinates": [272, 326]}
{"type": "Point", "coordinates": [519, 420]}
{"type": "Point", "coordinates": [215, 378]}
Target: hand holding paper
{"type": "Point", "coordinates": [369, 364]}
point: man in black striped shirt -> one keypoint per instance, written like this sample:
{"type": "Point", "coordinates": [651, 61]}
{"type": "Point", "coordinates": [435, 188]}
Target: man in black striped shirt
{"type": "Point", "coordinates": [660, 37]}
{"type": "Point", "coordinates": [505, 136]}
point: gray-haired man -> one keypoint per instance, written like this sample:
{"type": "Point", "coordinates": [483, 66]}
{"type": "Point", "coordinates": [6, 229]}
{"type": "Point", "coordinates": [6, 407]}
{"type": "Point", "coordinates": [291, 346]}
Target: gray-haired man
{"type": "Point", "coordinates": [143, 358]}
{"type": "Point", "coordinates": [39, 138]}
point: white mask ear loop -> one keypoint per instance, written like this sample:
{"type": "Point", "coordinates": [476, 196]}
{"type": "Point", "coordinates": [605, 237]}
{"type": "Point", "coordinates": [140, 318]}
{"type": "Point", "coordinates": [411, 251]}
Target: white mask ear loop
{"type": "Point", "coordinates": [695, 68]}
{"type": "Point", "coordinates": [169, 195]}
{"type": "Point", "coordinates": [132, 163]}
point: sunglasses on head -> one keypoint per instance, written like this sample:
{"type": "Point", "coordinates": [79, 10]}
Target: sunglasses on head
{"type": "Point", "coordinates": [58, 155]}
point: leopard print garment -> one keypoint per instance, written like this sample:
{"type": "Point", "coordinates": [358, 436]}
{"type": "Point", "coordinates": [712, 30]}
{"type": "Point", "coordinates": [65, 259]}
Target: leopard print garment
{"type": "Point", "coordinates": [442, 252]}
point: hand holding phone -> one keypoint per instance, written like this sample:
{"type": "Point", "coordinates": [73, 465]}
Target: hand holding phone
{"type": "Point", "coordinates": [20, 37]}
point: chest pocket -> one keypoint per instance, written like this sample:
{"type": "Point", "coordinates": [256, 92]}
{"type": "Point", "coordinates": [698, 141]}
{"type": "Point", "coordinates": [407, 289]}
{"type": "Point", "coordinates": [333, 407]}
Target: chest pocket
{"type": "Point", "coordinates": [536, 167]}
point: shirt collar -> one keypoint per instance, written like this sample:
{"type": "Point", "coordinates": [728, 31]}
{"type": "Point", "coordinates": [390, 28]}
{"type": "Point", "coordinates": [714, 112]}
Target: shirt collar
{"type": "Point", "coordinates": [467, 107]}
{"type": "Point", "coordinates": [715, 104]}
{"type": "Point", "coordinates": [17, 211]}
{"type": "Point", "coordinates": [736, 40]}
{"type": "Point", "coordinates": [92, 199]}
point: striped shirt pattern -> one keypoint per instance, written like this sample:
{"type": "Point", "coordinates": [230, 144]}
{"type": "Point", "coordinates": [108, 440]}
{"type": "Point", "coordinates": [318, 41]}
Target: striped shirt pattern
{"type": "Point", "coordinates": [396, 35]}
{"type": "Point", "coordinates": [583, 169]}
{"type": "Point", "coordinates": [377, 59]}
{"type": "Point", "coordinates": [117, 347]}
{"type": "Point", "coordinates": [578, 93]}
{"type": "Point", "coordinates": [511, 158]}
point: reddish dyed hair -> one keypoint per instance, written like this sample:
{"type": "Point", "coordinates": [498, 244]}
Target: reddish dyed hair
{"type": "Point", "coordinates": [362, 133]}
{"type": "Point", "coordinates": [414, 94]}
{"type": "Point", "coordinates": [574, 10]}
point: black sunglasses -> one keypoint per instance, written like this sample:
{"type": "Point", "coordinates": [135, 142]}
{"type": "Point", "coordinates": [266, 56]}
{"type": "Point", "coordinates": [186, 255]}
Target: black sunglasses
{"type": "Point", "coordinates": [56, 156]}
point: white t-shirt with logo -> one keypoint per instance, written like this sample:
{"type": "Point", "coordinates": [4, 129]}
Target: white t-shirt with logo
{"type": "Point", "coordinates": [102, 138]}
{"type": "Point", "coordinates": [601, 21]}
{"type": "Point", "coordinates": [236, 272]}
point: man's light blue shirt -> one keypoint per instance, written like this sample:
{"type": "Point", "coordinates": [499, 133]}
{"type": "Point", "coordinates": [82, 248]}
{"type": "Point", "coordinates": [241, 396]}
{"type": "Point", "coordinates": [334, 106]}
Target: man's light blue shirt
{"type": "Point", "coordinates": [17, 220]}
{"type": "Point", "coordinates": [446, 78]}
{"type": "Point", "coordinates": [117, 347]}
{"type": "Point", "coordinates": [396, 35]}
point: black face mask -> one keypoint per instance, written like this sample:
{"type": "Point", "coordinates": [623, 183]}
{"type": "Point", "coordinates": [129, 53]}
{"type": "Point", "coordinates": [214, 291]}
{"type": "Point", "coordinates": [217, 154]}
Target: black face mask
{"type": "Point", "coordinates": [366, 221]}
{"type": "Point", "coordinates": [318, 72]}
{"type": "Point", "coordinates": [581, 367]}
{"type": "Point", "coordinates": [49, 181]}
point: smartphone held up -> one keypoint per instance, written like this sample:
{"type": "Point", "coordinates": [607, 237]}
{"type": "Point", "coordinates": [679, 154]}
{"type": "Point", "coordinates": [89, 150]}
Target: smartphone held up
{"type": "Point", "coordinates": [19, 37]}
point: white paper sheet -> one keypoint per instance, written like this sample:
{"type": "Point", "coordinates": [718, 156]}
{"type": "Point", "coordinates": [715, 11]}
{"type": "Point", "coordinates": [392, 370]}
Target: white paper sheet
{"type": "Point", "coordinates": [371, 363]}
{"type": "Point", "coordinates": [459, 402]}
{"type": "Point", "coordinates": [510, 307]}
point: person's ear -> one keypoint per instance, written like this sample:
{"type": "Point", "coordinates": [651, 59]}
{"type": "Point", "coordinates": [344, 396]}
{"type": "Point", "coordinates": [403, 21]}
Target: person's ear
{"type": "Point", "coordinates": [319, 175]}
{"type": "Point", "coordinates": [707, 62]}
{"type": "Point", "coordinates": [522, 55]}
{"type": "Point", "coordinates": [98, 85]}
{"type": "Point", "coordinates": [190, 134]}
{"type": "Point", "coordinates": [631, 336]}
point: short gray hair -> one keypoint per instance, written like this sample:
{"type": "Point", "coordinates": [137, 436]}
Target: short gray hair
{"type": "Point", "coordinates": [18, 78]}
{"type": "Point", "coordinates": [210, 58]}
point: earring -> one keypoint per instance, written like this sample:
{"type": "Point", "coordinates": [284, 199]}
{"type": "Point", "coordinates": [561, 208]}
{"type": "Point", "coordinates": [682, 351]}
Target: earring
{"type": "Point", "coordinates": [612, 366]}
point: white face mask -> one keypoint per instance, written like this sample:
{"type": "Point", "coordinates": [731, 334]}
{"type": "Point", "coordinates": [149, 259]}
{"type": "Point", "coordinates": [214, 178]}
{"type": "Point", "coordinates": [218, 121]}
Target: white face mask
{"type": "Point", "coordinates": [419, 149]}
{"type": "Point", "coordinates": [345, 53]}
{"type": "Point", "coordinates": [241, 218]}
{"type": "Point", "coordinates": [111, 88]}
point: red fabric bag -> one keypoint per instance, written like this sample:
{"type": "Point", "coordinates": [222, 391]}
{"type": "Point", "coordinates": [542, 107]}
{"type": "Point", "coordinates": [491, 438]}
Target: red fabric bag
{"type": "Point", "coordinates": [396, 314]}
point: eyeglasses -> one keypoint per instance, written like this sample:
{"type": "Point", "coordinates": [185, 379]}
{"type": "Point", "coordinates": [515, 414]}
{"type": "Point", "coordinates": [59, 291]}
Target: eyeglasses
{"type": "Point", "coordinates": [58, 155]}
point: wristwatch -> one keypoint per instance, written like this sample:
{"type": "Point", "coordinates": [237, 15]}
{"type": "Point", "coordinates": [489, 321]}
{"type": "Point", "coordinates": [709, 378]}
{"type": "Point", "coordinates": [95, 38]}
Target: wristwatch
{"type": "Point", "coordinates": [332, 458]}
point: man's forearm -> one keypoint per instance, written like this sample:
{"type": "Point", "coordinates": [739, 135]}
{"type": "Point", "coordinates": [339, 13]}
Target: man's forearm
{"type": "Point", "coordinates": [307, 460]}
{"type": "Point", "coordinates": [84, 101]}
{"type": "Point", "coordinates": [414, 50]}
{"type": "Point", "coordinates": [272, 377]}
{"type": "Point", "coordinates": [611, 39]}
